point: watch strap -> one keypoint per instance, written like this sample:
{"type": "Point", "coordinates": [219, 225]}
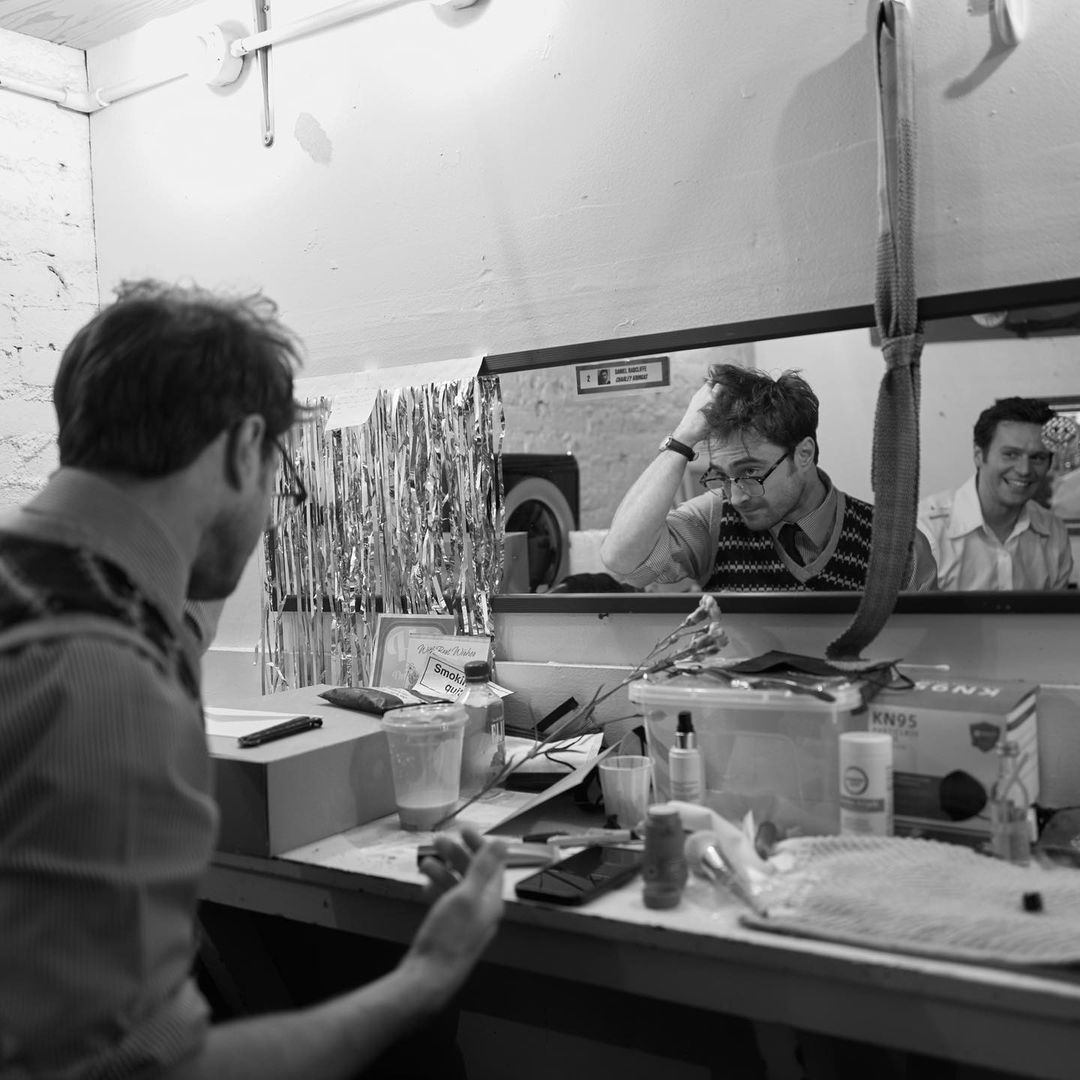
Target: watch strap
{"type": "Point", "coordinates": [680, 448]}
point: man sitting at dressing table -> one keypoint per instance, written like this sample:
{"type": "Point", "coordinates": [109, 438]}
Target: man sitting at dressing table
{"type": "Point", "coordinates": [768, 520]}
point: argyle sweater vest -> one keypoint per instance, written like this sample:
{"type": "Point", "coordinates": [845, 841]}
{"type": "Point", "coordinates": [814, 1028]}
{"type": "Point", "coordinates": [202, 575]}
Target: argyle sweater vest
{"type": "Point", "coordinates": [747, 561]}
{"type": "Point", "coordinates": [50, 590]}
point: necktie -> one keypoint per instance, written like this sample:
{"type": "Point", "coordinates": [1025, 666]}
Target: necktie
{"type": "Point", "coordinates": [787, 534]}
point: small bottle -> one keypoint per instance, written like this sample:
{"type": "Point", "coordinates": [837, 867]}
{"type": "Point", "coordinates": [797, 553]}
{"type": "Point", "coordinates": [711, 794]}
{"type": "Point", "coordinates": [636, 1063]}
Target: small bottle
{"type": "Point", "coordinates": [664, 866]}
{"type": "Point", "coordinates": [1010, 806]}
{"type": "Point", "coordinates": [866, 795]}
{"type": "Point", "coordinates": [484, 751]}
{"type": "Point", "coordinates": [685, 763]}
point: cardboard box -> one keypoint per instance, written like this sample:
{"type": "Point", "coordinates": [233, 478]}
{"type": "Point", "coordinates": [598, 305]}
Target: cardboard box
{"type": "Point", "coordinates": [944, 733]}
{"type": "Point", "coordinates": [301, 788]}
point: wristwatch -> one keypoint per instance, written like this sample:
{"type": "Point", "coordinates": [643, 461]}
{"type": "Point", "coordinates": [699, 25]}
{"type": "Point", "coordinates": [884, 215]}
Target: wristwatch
{"type": "Point", "coordinates": [671, 443]}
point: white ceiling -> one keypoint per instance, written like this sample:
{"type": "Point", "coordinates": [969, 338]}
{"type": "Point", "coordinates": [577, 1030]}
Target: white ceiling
{"type": "Point", "coordinates": [82, 23]}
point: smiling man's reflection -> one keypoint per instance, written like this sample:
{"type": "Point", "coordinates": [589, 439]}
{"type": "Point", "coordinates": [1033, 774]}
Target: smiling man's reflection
{"type": "Point", "coordinates": [768, 520]}
{"type": "Point", "coordinates": [991, 533]}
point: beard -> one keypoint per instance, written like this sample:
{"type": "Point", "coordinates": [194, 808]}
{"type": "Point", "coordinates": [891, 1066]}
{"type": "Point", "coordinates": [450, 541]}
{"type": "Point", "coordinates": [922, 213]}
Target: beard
{"type": "Point", "coordinates": [223, 553]}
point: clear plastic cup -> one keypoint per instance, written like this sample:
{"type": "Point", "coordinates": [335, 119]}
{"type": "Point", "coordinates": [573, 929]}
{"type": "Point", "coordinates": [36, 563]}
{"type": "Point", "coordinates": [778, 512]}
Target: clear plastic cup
{"type": "Point", "coordinates": [425, 760]}
{"type": "Point", "coordinates": [625, 780]}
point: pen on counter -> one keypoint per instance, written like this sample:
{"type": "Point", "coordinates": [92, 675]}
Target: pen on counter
{"type": "Point", "coordinates": [280, 731]}
{"type": "Point", "coordinates": [588, 838]}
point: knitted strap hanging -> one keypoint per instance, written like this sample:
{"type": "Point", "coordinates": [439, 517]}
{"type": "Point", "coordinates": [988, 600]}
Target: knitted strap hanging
{"type": "Point", "coordinates": [895, 467]}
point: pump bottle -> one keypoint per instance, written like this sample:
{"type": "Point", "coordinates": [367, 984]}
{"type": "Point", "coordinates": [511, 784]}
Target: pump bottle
{"type": "Point", "coordinates": [685, 763]}
{"type": "Point", "coordinates": [484, 749]}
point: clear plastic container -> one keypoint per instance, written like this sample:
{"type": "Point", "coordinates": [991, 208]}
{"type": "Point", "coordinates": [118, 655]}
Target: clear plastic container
{"type": "Point", "coordinates": [775, 752]}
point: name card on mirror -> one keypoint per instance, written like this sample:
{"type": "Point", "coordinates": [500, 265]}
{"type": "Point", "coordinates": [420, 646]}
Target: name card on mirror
{"type": "Point", "coordinates": [644, 373]}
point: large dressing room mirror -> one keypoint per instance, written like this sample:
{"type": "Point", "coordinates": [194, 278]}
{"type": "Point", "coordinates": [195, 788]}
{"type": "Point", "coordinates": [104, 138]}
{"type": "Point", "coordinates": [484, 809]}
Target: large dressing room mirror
{"type": "Point", "coordinates": [570, 456]}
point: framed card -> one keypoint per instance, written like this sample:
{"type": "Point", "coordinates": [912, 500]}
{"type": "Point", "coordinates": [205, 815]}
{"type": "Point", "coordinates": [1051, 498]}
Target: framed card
{"type": "Point", "coordinates": [446, 678]}
{"type": "Point", "coordinates": [389, 654]}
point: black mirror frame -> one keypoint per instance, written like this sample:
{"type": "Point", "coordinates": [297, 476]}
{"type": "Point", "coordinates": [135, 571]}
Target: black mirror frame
{"type": "Point", "coordinates": [1062, 291]}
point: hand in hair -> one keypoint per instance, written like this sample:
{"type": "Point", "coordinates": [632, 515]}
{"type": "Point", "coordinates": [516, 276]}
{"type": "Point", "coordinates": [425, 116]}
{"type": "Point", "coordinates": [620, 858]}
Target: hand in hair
{"type": "Point", "coordinates": [694, 426]}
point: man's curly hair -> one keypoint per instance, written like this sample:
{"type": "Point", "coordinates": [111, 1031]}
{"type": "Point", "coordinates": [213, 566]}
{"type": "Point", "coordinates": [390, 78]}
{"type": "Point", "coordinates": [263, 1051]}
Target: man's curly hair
{"type": "Point", "coordinates": [783, 411]}
{"type": "Point", "coordinates": [158, 374]}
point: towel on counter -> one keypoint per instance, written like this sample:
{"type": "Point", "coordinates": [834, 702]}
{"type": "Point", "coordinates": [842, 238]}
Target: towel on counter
{"type": "Point", "coordinates": [923, 897]}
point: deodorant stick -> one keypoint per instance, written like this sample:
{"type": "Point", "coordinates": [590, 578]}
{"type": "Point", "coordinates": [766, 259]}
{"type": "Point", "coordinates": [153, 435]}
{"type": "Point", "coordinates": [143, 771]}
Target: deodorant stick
{"type": "Point", "coordinates": [866, 796]}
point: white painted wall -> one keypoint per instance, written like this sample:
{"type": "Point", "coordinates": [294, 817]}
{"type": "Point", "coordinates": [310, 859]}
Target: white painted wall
{"type": "Point", "coordinates": [526, 174]}
{"type": "Point", "coordinates": [959, 380]}
{"type": "Point", "coordinates": [48, 279]}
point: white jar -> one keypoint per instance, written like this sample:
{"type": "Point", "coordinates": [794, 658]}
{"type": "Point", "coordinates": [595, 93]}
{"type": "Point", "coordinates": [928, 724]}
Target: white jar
{"type": "Point", "coordinates": [866, 795]}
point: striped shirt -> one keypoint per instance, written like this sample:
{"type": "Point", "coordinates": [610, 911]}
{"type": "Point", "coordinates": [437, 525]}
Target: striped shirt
{"type": "Point", "coordinates": [107, 821]}
{"type": "Point", "coordinates": [1035, 555]}
{"type": "Point", "coordinates": [689, 545]}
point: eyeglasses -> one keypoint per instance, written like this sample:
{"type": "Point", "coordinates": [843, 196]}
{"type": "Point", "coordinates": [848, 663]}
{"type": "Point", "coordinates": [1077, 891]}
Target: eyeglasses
{"type": "Point", "coordinates": [751, 486]}
{"type": "Point", "coordinates": [296, 493]}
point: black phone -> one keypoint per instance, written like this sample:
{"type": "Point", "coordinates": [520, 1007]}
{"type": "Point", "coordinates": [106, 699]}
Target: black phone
{"type": "Point", "coordinates": [579, 878]}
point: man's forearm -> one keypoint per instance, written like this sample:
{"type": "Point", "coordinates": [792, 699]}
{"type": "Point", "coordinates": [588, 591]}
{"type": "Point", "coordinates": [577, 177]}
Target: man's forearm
{"type": "Point", "coordinates": [641, 515]}
{"type": "Point", "coordinates": [337, 1039]}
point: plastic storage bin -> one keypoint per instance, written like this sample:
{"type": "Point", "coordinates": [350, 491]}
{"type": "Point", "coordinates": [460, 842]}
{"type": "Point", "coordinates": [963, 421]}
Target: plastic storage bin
{"type": "Point", "coordinates": [775, 752]}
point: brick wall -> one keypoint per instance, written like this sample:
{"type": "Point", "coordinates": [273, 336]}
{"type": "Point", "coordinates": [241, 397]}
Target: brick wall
{"type": "Point", "coordinates": [48, 277]}
{"type": "Point", "coordinates": [613, 437]}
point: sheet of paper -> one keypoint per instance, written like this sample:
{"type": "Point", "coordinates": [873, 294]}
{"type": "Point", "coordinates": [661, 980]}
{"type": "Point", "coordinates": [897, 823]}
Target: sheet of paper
{"type": "Point", "coordinates": [233, 723]}
{"type": "Point", "coordinates": [435, 664]}
{"type": "Point", "coordinates": [352, 395]}
{"type": "Point", "coordinates": [456, 649]}
{"type": "Point", "coordinates": [558, 756]}
{"type": "Point", "coordinates": [440, 678]}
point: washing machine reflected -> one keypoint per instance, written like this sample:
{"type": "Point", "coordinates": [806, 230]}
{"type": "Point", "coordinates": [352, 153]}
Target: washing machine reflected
{"type": "Point", "coordinates": [540, 498]}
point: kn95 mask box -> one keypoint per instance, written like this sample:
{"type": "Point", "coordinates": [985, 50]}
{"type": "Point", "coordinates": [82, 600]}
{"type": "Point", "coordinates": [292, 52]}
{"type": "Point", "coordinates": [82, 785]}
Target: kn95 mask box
{"type": "Point", "coordinates": [945, 732]}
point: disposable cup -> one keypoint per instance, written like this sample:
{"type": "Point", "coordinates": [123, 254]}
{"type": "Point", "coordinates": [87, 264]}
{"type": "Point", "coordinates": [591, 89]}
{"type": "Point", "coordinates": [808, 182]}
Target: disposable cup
{"type": "Point", "coordinates": [425, 760]}
{"type": "Point", "coordinates": [625, 781]}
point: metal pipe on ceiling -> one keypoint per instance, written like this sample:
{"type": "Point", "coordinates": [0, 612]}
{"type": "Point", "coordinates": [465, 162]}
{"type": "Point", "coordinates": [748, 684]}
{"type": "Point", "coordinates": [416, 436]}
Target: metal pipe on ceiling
{"type": "Point", "coordinates": [320, 20]}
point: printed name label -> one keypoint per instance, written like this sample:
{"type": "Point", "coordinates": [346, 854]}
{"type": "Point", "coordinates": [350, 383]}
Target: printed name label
{"type": "Point", "coordinates": [623, 375]}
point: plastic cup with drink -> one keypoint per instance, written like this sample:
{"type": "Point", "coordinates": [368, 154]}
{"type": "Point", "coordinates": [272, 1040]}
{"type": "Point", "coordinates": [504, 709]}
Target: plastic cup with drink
{"type": "Point", "coordinates": [425, 759]}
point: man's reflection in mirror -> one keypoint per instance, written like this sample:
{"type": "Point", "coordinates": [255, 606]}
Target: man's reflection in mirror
{"type": "Point", "coordinates": [992, 531]}
{"type": "Point", "coordinates": [767, 518]}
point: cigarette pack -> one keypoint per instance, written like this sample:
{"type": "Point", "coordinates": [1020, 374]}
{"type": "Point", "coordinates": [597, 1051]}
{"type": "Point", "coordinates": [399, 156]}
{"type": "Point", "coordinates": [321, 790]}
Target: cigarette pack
{"type": "Point", "coordinates": [945, 732]}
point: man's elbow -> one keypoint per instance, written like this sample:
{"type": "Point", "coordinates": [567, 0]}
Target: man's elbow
{"type": "Point", "coordinates": [615, 558]}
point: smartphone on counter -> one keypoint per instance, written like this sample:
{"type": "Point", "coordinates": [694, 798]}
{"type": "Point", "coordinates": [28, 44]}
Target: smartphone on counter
{"type": "Point", "coordinates": [579, 878]}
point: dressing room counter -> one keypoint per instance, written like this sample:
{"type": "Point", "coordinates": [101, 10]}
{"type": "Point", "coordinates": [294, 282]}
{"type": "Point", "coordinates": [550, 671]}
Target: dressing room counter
{"type": "Point", "coordinates": [364, 881]}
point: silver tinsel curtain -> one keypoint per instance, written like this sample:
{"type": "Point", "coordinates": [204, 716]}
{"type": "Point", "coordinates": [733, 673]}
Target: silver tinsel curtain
{"type": "Point", "coordinates": [404, 514]}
